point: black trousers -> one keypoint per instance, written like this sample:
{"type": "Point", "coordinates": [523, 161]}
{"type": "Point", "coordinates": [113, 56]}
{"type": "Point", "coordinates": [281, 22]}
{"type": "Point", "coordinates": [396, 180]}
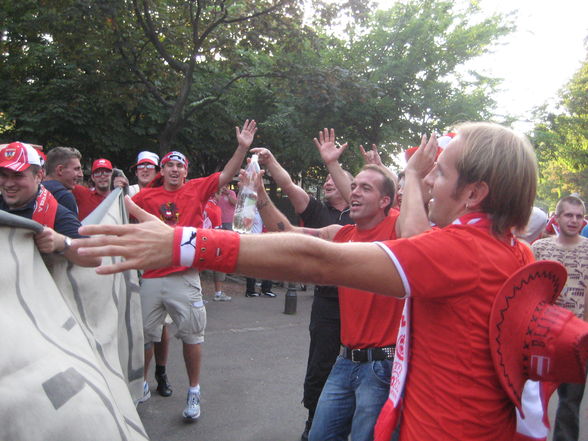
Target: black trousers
{"type": "Point", "coordinates": [325, 344]}
{"type": "Point", "coordinates": [266, 285]}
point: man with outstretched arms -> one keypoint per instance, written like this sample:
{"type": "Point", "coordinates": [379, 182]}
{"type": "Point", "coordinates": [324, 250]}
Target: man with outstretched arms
{"type": "Point", "coordinates": [176, 289]}
{"type": "Point", "coordinates": [325, 322]}
{"type": "Point", "coordinates": [449, 381]}
{"type": "Point", "coordinates": [22, 194]}
{"type": "Point", "coordinates": [358, 383]}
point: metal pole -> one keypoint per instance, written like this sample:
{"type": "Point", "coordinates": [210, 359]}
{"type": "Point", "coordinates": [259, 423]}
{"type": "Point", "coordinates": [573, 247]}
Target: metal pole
{"type": "Point", "coordinates": [291, 299]}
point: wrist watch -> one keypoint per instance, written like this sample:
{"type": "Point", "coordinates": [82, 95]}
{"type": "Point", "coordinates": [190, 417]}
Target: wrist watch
{"type": "Point", "coordinates": [66, 245]}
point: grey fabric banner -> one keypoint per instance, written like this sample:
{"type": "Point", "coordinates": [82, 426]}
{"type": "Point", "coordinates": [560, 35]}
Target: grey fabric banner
{"type": "Point", "coordinates": [73, 368]}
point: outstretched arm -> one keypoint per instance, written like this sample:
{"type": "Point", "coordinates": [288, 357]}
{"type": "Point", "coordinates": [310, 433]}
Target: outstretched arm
{"type": "Point", "coordinates": [296, 194]}
{"type": "Point", "coordinates": [330, 153]}
{"type": "Point", "coordinates": [274, 220]}
{"type": "Point", "coordinates": [244, 138]}
{"type": "Point", "coordinates": [283, 256]}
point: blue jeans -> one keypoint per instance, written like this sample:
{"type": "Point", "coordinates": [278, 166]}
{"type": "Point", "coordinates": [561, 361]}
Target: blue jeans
{"type": "Point", "coordinates": [351, 401]}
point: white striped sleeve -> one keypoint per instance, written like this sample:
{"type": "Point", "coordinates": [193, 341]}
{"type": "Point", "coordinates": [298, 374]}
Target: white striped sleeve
{"type": "Point", "coordinates": [401, 272]}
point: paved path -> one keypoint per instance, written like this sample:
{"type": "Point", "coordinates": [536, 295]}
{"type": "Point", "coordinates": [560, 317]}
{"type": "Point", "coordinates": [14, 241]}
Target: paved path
{"type": "Point", "coordinates": [253, 368]}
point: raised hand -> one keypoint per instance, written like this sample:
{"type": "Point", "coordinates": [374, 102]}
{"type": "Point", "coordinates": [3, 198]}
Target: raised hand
{"type": "Point", "coordinates": [371, 156]}
{"type": "Point", "coordinates": [246, 134]}
{"type": "Point", "coordinates": [329, 150]}
{"type": "Point", "coordinates": [423, 160]}
{"type": "Point", "coordinates": [265, 156]}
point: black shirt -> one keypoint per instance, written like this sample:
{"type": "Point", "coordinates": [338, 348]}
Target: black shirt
{"type": "Point", "coordinates": [320, 214]}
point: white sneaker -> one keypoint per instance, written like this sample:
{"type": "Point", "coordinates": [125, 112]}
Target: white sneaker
{"type": "Point", "coordinates": [146, 393]}
{"type": "Point", "coordinates": [222, 298]}
{"type": "Point", "coordinates": [192, 410]}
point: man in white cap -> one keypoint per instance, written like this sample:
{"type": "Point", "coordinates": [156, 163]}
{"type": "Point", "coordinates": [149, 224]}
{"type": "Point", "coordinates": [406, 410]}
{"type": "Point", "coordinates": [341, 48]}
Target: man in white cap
{"type": "Point", "coordinates": [23, 195]}
{"type": "Point", "coordinates": [146, 168]}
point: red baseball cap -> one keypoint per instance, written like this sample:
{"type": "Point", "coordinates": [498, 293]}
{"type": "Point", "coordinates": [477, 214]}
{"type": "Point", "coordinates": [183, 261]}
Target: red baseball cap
{"type": "Point", "coordinates": [101, 163]}
{"type": "Point", "coordinates": [530, 337]}
{"type": "Point", "coordinates": [19, 156]}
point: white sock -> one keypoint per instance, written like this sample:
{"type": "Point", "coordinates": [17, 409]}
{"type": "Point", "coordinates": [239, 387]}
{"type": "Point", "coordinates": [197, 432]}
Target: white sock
{"type": "Point", "coordinates": [195, 389]}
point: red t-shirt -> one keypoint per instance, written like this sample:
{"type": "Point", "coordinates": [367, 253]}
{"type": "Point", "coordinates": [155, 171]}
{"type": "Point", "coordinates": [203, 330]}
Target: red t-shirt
{"type": "Point", "coordinates": [87, 200]}
{"type": "Point", "coordinates": [212, 215]}
{"type": "Point", "coordinates": [452, 391]}
{"type": "Point", "coordinates": [368, 320]}
{"type": "Point", "coordinates": [182, 207]}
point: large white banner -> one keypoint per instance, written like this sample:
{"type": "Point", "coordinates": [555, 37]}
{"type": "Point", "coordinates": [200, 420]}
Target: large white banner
{"type": "Point", "coordinates": [73, 346]}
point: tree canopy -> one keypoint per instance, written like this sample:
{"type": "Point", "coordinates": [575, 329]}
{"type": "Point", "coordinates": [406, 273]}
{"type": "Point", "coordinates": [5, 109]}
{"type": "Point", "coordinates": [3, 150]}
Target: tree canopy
{"type": "Point", "coordinates": [114, 77]}
{"type": "Point", "coordinates": [561, 142]}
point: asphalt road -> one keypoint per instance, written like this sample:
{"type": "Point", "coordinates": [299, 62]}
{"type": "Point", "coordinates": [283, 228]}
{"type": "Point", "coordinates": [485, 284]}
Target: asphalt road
{"type": "Point", "coordinates": [253, 366]}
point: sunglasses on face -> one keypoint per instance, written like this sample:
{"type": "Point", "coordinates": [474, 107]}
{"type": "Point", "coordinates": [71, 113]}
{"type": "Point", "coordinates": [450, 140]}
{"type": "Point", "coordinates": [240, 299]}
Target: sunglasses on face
{"type": "Point", "coordinates": [145, 167]}
{"type": "Point", "coordinates": [98, 173]}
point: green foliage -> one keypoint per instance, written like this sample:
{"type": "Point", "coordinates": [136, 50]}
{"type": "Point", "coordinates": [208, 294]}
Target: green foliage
{"type": "Point", "coordinates": [561, 143]}
{"type": "Point", "coordinates": [112, 77]}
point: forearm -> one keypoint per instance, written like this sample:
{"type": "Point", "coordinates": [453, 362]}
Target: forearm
{"type": "Point", "coordinates": [297, 257]}
{"type": "Point", "coordinates": [273, 219]}
{"type": "Point", "coordinates": [340, 179]}
{"type": "Point", "coordinates": [413, 217]}
{"type": "Point", "coordinates": [297, 196]}
{"type": "Point", "coordinates": [233, 166]}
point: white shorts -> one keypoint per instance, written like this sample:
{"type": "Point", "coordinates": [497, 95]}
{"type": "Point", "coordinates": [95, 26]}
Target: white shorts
{"type": "Point", "coordinates": [180, 296]}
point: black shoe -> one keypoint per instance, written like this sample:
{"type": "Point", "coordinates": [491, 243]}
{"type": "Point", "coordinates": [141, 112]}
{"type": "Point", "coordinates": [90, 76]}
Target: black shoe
{"type": "Point", "coordinates": [163, 386]}
{"type": "Point", "coordinates": [269, 294]}
{"type": "Point", "coordinates": [251, 294]}
{"type": "Point", "coordinates": [304, 436]}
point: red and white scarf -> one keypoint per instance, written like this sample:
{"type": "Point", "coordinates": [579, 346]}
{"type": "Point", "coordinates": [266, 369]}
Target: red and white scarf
{"type": "Point", "coordinates": [45, 208]}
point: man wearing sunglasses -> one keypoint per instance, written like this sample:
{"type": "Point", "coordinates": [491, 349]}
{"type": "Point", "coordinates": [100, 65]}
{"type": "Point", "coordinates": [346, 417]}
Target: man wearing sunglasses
{"type": "Point", "coordinates": [89, 198]}
{"type": "Point", "coordinates": [146, 168]}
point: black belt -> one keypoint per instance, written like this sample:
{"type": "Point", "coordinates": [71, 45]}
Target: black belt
{"type": "Point", "coordinates": [368, 354]}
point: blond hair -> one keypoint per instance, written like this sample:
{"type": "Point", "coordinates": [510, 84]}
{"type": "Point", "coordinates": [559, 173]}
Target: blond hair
{"type": "Point", "coordinates": [572, 200]}
{"type": "Point", "coordinates": [506, 162]}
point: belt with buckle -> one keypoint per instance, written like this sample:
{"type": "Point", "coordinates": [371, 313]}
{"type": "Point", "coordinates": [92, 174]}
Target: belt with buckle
{"type": "Point", "coordinates": [368, 354]}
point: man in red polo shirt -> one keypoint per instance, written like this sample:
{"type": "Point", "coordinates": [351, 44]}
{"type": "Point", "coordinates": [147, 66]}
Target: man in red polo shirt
{"type": "Point", "coordinates": [358, 383]}
{"type": "Point", "coordinates": [89, 198]}
{"type": "Point", "coordinates": [444, 382]}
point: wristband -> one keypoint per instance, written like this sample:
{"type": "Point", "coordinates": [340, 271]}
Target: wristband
{"type": "Point", "coordinates": [216, 250]}
{"type": "Point", "coordinates": [184, 250]}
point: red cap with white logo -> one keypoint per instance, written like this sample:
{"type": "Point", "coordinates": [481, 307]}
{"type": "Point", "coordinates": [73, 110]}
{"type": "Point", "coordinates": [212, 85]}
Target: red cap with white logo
{"type": "Point", "coordinates": [19, 156]}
